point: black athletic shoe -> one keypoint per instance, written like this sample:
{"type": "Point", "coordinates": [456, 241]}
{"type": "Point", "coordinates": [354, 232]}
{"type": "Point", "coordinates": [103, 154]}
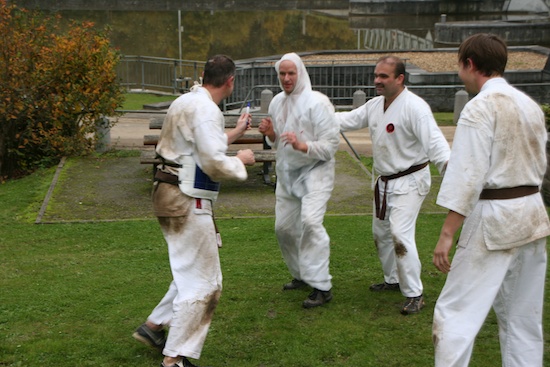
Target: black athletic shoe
{"type": "Point", "coordinates": [150, 337]}
{"type": "Point", "coordinates": [385, 287]}
{"type": "Point", "coordinates": [413, 305]}
{"type": "Point", "coordinates": [294, 284]}
{"type": "Point", "coordinates": [317, 298]}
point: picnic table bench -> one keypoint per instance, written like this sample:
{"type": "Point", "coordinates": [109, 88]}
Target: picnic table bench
{"type": "Point", "coordinates": [264, 155]}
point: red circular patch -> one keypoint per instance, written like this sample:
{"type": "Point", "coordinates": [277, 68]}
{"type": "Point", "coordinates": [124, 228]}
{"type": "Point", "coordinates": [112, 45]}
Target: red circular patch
{"type": "Point", "coordinates": [390, 128]}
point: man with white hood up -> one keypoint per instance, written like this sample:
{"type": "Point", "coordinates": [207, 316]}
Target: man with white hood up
{"type": "Point", "coordinates": [305, 133]}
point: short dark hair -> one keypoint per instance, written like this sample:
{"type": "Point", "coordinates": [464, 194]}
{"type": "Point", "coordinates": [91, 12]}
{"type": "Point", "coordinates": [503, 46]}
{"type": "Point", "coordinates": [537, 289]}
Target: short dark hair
{"type": "Point", "coordinates": [395, 61]}
{"type": "Point", "coordinates": [217, 70]}
{"type": "Point", "coordinates": [487, 51]}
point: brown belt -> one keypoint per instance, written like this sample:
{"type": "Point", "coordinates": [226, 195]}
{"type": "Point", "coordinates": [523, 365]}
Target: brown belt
{"type": "Point", "coordinates": [166, 177]}
{"type": "Point", "coordinates": [381, 211]}
{"type": "Point", "coordinates": [508, 193]}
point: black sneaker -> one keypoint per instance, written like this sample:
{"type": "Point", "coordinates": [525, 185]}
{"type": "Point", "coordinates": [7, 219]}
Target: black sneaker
{"type": "Point", "coordinates": [294, 284]}
{"type": "Point", "coordinates": [413, 305]}
{"type": "Point", "coordinates": [385, 287]}
{"type": "Point", "coordinates": [317, 298]}
{"type": "Point", "coordinates": [154, 339]}
{"type": "Point", "coordinates": [184, 362]}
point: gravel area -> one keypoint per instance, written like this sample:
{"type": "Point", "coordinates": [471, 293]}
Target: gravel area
{"type": "Point", "coordinates": [434, 61]}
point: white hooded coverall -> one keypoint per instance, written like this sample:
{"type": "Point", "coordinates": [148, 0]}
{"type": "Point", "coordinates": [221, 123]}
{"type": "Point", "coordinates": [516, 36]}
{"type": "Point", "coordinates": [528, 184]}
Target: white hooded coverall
{"type": "Point", "coordinates": [500, 260]}
{"type": "Point", "coordinates": [403, 136]}
{"type": "Point", "coordinates": [192, 136]}
{"type": "Point", "coordinates": [304, 180]}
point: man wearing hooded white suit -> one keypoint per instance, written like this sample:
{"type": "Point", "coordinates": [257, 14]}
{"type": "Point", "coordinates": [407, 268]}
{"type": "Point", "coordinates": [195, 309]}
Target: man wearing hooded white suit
{"type": "Point", "coordinates": [405, 139]}
{"type": "Point", "coordinates": [305, 133]}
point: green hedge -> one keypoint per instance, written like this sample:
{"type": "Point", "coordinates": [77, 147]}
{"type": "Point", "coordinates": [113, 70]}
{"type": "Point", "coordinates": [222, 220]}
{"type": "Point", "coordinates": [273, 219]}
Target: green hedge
{"type": "Point", "coordinates": [546, 109]}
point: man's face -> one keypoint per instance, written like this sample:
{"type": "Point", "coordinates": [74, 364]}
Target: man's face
{"type": "Point", "coordinates": [387, 84]}
{"type": "Point", "coordinates": [288, 75]}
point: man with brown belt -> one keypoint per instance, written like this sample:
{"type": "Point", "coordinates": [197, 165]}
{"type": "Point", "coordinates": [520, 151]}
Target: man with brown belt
{"type": "Point", "coordinates": [193, 148]}
{"type": "Point", "coordinates": [491, 189]}
{"type": "Point", "coordinates": [405, 138]}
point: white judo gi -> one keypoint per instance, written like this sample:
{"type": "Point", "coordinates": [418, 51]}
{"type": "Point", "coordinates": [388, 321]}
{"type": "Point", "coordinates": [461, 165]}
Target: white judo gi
{"type": "Point", "coordinates": [500, 260]}
{"type": "Point", "coordinates": [403, 136]}
{"type": "Point", "coordinates": [304, 180]}
{"type": "Point", "coordinates": [193, 138]}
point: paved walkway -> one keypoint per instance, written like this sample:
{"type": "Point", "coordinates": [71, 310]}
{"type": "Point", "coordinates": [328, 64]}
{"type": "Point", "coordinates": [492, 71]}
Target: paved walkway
{"type": "Point", "coordinates": [130, 129]}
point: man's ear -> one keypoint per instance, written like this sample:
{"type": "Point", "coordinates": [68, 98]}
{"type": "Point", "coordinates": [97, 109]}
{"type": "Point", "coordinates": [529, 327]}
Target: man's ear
{"type": "Point", "coordinates": [470, 64]}
{"type": "Point", "coordinates": [401, 78]}
{"type": "Point", "coordinates": [230, 80]}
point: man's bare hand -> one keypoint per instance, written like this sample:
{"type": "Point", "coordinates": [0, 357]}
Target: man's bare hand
{"type": "Point", "coordinates": [441, 254]}
{"type": "Point", "coordinates": [266, 128]}
{"type": "Point", "coordinates": [246, 156]}
{"type": "Point", "coordinates": [291, 138]}
{"type": "Point", "coordinates": [244, 122]}
{"type": "Point", "coordinates": [445, 242]}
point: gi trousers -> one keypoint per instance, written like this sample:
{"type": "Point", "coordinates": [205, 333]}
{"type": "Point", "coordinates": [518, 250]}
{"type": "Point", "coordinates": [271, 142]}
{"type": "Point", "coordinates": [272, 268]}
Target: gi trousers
{"type": "Point", "coordinates": [189, 304]}
{"type": "Point", "coordinates": [394, 238]}
{"type": "Point", "coordinates": [509, 281]}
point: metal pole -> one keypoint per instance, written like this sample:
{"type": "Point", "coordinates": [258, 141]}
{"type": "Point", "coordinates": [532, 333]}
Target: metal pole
{"type": "Point", "coordinates": [179, 41]}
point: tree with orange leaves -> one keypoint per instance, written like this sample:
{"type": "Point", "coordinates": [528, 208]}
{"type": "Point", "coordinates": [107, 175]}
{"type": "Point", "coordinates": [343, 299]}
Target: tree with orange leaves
{"type": "Point", "coordinates": [55, 86]}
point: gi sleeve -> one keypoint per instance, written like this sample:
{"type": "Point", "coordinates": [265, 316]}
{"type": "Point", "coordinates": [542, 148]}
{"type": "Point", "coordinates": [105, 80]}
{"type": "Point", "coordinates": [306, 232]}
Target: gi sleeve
{"type": "Point", "coordinates": [353, 120]}
{"type": "Point", "coordinates": [433, 142]}
{"type": "Point", "coordinates": [468, 165]}
{"type": "Point", "coordinates": [210, 152]}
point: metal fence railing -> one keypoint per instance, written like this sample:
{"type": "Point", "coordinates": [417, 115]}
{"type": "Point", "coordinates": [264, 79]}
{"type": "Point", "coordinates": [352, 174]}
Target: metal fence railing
{"type": "Point", "coordinates": [158, 74]}
{"type": "Point", "coordinates": [337, 79]}
{"type": "Point", "coordinates": [174, 76]}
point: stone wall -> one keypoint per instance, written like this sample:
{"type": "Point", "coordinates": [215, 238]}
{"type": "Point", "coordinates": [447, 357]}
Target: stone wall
{"type": "Point", "coordinates": [514, 33]}
{"type": "Point", "coordinates": [424, 7]}
{"type": "Point", "coordinates": [171, 5]}
{"type": "Point", "coordinates": [439, 89]}
{"type": "Point", "coordinates": [340, 81]}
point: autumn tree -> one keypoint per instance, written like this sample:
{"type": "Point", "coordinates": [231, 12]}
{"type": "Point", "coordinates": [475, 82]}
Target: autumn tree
{"type": "Point", "coordinates": [55, 86]}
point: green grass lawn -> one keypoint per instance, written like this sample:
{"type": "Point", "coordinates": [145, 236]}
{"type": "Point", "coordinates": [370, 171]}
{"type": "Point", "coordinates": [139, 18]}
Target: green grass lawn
{"type": "Point", "coordinates": [444, 118]}
{"type": "Point", "coordinates": [72, 294]}
{"type": "Point", "coordinates": [135, 101]}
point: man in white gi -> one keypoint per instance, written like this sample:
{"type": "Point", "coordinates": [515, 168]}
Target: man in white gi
{"type": "Point", "coordinates": [405, 139]}
{"type": "Point", "coordinates": [491, 189]}
{"type": "Point", "coordinates": [193, 149]}
{"type": "Point", "coordinates": [305, 133]}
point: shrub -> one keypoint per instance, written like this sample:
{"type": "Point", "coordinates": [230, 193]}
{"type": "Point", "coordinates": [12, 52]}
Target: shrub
{"type": "Point", "coordinates": [546, 109]}
{"type": "Point", "coordinates": [54, 87]}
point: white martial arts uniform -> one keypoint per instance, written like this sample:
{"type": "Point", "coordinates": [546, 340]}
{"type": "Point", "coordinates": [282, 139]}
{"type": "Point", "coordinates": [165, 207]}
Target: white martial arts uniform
{"type": "Point", "coordinates": [304, 180]}
{"type": "Point", "coordinates": [192, 137]}
{"type": "Point", "coordinates": [500, 260]}
{"type": "Point", "coordinates": [403, 136]}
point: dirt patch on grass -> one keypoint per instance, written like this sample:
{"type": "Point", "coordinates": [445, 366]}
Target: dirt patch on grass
{"type": "Point", "coordinates": [118, 188]}
{"type": "Point", "coordinates": [110, 188]}
{"type": "Point", "coordinates": [101, 188]}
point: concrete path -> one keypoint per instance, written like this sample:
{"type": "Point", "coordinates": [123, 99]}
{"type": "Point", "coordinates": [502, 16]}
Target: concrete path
{"type": "Point", "coordinates": [129, 131]}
